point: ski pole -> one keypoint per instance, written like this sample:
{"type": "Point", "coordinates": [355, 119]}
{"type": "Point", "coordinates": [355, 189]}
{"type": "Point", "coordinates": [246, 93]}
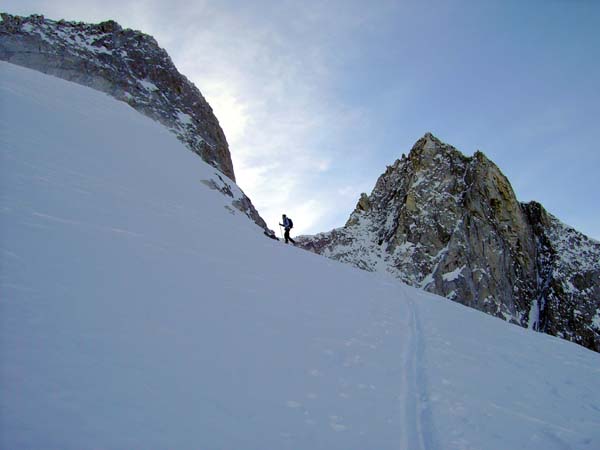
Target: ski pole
{"type": "Point", "coordinates": [280, 232]}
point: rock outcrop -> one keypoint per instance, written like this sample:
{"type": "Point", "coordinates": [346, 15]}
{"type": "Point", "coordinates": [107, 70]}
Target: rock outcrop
{"type": "Point", "coordinates": [128, 65]}
{"type": "Point", "coordinates": [452, 225]}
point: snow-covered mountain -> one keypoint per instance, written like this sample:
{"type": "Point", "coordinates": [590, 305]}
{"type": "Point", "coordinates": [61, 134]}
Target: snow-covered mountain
{"type": "Point", "coordinates": [128, 65]}
{"type": "Point", "coordinates": [452, 225]}
{"type": "Point", "coordinates": [139, 309]}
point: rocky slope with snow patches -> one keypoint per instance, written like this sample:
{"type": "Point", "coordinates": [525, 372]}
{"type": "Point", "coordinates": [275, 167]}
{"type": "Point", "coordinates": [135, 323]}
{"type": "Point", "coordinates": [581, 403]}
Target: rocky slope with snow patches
{"type": "Point", "coordinates": [452, 225]}
{"type": "Point", "coordinates": [128, 65]}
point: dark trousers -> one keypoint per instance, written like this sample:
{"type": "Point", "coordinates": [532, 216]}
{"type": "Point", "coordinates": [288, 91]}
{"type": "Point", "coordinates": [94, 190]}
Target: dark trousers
{"type": "Point", "coordinates": [287, 237]}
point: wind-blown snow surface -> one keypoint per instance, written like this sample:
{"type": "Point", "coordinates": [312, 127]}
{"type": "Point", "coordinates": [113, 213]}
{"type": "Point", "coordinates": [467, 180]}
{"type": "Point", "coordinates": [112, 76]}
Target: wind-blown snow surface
{"type": "Point", "coordinates": [139, 310]}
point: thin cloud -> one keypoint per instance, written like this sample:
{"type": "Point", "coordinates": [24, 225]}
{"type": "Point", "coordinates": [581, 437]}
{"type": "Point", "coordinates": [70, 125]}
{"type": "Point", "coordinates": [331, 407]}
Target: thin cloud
{"type": "Point", "coordinates": [270, 96]}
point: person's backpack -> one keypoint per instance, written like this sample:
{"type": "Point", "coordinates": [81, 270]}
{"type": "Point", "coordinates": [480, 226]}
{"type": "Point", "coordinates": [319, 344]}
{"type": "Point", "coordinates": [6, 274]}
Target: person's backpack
{"type": "Point", "coordinates": [290, 223]}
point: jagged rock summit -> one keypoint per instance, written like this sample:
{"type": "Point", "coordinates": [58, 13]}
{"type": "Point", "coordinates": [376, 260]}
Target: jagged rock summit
{"type": "Point", "coordinates": [452, 225]}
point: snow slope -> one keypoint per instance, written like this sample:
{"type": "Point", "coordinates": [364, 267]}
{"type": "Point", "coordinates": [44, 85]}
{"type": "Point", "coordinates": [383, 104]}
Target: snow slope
{"type": "Point", "coordinates": [139, 309]}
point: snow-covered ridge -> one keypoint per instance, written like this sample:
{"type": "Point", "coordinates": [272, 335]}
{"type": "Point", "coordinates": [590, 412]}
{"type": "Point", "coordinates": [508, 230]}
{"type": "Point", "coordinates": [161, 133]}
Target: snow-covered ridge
{"type": "Point", "coordinates": [77, 35]}
{"type": "Point", "coordinates": [452, 225]}
{"type": "Point", "coordinates": [139, 309]}
{"type": "Point", "coordinates": [128, 65]}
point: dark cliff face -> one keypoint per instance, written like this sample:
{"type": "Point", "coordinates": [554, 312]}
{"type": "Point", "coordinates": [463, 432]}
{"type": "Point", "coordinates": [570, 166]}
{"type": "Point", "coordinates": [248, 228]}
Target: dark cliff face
{"type": "Point", "coordinates": [128, 65]}
{"type": "Point", "coordinates": [452, 225]}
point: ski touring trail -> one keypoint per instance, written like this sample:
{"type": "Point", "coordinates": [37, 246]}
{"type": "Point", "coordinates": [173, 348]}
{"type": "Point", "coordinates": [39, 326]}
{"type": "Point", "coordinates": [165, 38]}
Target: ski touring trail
{"type": "Point", "coordinates": [418, 433]}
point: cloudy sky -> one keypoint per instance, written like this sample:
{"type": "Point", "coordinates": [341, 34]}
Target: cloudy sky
{"type": "Point", "coordinates": [317, 97]}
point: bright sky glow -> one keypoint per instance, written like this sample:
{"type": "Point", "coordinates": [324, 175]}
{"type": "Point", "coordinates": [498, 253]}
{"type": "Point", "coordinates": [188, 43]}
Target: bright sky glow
{"type": "Point", "coordinates": [316, 98]}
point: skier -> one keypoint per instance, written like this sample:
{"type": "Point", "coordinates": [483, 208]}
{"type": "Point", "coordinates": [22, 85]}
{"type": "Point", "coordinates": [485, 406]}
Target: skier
{"type": "Point", "coordinates": [288, 225]}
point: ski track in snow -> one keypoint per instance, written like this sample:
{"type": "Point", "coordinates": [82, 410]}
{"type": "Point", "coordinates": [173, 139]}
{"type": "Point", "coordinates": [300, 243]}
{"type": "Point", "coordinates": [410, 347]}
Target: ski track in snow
{"type": "Point", "coordinates": [417, 433]}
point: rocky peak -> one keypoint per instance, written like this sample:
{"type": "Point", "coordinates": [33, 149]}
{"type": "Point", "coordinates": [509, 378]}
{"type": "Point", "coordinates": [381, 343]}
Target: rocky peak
{"type": "Point", "coordinates": [428, 143]}
{"type": "Point", "coordinates": [128, 65]}
{"type": "Point", "coordinates": [452, 225]}
{"type": "Point", "coordinates": [430, 147]}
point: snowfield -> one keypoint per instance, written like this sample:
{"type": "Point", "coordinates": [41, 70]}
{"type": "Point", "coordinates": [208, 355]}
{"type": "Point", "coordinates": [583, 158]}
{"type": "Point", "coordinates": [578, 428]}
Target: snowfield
{"type": "Point", "coordinates": [140, 309]}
